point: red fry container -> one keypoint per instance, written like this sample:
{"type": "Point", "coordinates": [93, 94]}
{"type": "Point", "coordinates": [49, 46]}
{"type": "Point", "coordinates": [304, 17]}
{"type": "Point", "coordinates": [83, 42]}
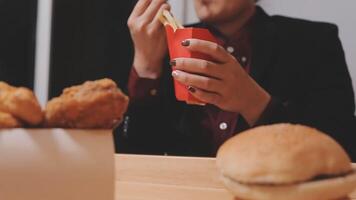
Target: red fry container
{"type": "Point", "coordinates": [176, 50]}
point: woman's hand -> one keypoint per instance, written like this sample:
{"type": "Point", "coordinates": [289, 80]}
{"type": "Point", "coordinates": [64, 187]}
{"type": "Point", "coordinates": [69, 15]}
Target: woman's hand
{"type": "Point", "coordinates": [223, 83]}
{"type": "Point", "coordinates": [149, 37]}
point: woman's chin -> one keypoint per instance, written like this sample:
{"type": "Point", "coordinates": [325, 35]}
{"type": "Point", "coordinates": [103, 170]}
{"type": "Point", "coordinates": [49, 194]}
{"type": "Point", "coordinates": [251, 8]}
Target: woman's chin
{"type": "Point", "coordinates": [208, 18]}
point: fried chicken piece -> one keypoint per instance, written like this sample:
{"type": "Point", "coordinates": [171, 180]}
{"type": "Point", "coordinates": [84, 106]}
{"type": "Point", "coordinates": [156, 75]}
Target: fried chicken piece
{"type": "Point", "coordinates": [21, 103]}
{"type": "Point", "coordinates": [9, 121]}
{"type": "Point", "coordinates": [94, 104]}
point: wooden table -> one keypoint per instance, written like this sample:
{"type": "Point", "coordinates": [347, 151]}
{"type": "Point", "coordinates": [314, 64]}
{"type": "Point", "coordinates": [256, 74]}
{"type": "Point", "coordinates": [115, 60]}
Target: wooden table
{"type": "Point", "coordinates": [169, 178]}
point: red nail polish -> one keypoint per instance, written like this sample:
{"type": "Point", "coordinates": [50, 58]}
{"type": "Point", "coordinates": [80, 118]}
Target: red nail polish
{"type": "Point", "coordinates": [173, 63]}
{"type": "Point", "coordinates": [191, 89]}
{"type": "Point", "coordinates": [186, 43]}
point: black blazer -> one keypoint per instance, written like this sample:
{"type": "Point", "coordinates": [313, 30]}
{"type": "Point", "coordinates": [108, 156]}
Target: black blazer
{"type": "Point", "coordinates": [300, 63]}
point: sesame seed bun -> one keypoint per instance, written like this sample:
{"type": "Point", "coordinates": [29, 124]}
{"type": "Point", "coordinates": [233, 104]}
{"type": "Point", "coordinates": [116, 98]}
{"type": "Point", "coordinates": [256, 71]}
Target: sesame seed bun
{"type": "Point", "coordinates": [284, 160]}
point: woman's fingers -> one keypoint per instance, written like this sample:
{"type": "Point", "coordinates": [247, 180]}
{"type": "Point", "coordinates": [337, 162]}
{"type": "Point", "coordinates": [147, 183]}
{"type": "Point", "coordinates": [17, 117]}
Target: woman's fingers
{"type": "Point", "coordinates": [156, 23]}
{"type": "Point", "coordinates": [144, 14]}
{"type": "Point", "coordinates": [198, 81]}
{"type": "Point", "coordinates": [205, 96]}
{"type": "Point", "coordinates": [140, 8]}
{"type": "Point", "coordinates": [151, 11]}
{"type": "Point", "coordinates": [214, 50]}
{"type": "Point", "coordinates": [198, 66]}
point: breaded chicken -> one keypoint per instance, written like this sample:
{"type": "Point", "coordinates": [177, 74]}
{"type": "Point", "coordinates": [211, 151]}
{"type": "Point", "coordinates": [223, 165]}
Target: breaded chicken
{"type": "Point", "coordinates": [9, 121]}
{"type": "Point", "coordinates": [94, 104]}
{"type": "Point", "coordinates": [21, 103]}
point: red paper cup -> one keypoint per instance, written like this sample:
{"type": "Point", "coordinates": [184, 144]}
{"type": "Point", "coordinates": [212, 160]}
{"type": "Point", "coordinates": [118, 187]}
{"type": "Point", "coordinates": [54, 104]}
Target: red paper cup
{"type": "Point", "coordinates": [176, 50]}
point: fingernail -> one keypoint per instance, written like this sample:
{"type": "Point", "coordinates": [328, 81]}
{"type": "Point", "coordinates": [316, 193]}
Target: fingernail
{"type": "Point", "coordinates": [191, 89]}
{"type": "Point", "coordinates": [175, 74]}
{"type": "Point", "coordinates": [185, 43]}
{"type": "Point", "coordinates": [173, 62]}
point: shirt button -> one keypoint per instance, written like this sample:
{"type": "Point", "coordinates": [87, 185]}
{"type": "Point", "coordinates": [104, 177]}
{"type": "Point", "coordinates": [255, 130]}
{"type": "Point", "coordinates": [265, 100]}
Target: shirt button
{"type": "Point", "coordinates": [243, 59]}
{"type": "Point", "coordinates": [230, 49]}
{"type": "Point", "coordinates": [153, 92]}
{"type": "Point", "coordinates": [223, 126]}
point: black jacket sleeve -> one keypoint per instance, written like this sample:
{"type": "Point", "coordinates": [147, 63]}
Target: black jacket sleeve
{"type": "Point", "coordinates": [151, 128]}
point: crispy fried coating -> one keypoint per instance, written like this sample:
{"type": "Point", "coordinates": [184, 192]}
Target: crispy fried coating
{"type": "Point", "coordinates": [21, 103]}
{"type": "Point", "coordinates": [8, 121]}
{"type": "Point", "coordinates": [94, 104]}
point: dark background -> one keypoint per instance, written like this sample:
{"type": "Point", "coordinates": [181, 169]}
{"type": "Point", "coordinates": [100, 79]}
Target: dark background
{"type": "Point", "coordinates": [17, 41]}
{"type": "Point", "coordinates": [90, 40]}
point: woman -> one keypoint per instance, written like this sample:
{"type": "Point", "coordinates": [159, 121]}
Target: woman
{"type": "Point", "coordinates": [270, 69]}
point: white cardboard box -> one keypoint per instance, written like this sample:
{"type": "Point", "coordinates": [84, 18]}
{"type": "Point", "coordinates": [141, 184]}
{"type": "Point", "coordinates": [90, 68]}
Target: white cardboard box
{"type": "Point", "coordinates": [56, 164]}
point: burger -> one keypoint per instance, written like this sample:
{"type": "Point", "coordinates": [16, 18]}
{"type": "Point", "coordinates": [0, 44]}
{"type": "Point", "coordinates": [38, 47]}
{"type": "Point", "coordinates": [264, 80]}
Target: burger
{"type": "Point", "coordinates": [285, 162]}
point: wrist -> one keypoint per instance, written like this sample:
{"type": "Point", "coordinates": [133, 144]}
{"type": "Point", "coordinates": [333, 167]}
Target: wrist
{"type": "Point", "coordinates": [147, 69]}
{"type": "Point", "coordinates": [255, 105]}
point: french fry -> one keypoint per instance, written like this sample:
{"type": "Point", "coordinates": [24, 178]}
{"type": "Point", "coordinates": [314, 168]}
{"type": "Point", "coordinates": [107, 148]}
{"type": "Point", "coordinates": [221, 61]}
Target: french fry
{"type": "Point", "coordinates": [167, 18]}
{"type": "Point", "coordinates": [176, 21]}
{"type": "Point", "coordinates": [163, 19]}
{"type": "Point", "coordinates": [170, 19]}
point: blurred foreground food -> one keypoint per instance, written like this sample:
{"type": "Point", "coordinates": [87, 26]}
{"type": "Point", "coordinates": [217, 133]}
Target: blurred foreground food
{"type": "Point", "coordinates": [96, 104]}
{"type": "Point", "coordinates": [18, 104]}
